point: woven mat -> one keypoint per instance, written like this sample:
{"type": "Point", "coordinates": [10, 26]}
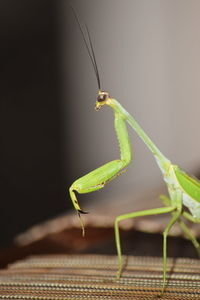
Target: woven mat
{"type": "Point", "coordinates": [53, 277]}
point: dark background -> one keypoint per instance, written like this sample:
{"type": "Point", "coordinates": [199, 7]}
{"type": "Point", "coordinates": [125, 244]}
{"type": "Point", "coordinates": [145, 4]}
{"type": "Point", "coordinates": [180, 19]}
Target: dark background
{"type": "Point", "coordinates": [33, 186]}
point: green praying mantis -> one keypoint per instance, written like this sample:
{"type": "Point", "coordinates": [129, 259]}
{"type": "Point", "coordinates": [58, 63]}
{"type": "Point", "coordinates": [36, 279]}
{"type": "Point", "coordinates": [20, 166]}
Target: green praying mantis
{"type": "Point", "coordinates": [184, 191]}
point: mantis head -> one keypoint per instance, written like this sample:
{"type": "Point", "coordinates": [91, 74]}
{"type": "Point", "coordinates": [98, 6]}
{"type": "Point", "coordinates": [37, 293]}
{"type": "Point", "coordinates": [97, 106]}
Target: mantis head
{"type": "Point", "coordinates": [102, 99]}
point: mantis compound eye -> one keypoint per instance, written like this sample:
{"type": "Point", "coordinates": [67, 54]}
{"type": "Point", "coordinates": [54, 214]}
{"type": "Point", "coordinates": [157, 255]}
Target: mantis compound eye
{"type": "Point", "coordinates": [102, 97]}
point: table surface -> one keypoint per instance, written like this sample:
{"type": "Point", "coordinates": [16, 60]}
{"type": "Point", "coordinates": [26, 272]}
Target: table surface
{"type": "Point", "coordinates": [55, 277]}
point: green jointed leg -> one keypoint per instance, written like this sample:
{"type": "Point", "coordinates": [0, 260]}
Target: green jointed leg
{"type": "Point", "coordinates": [98, 178]}
{"type": "Point", "coordinates": [174, 218]}
{"type": "Point", "coordinates": [190, 236]}
{"type": "Point", "coordinates": [150, 212]}
{"type": "Point", "coordinates": [183, 226]}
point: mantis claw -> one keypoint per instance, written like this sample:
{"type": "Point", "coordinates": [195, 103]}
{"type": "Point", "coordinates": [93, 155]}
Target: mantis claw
{"type": "Point", "coordinates": [81, 221]}
{"type": "Point", "coordinates": [83, 212]}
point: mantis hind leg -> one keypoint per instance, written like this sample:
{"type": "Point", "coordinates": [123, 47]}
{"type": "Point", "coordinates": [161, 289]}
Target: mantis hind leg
{"type": "Point", "coordinates": [190, 236]}
{"type": "Point", "coordinates": [184, 227]}
{"type": "Point", "coordinates": [155, 211]}
{"type": "Point", "coordinates": [175, 217]}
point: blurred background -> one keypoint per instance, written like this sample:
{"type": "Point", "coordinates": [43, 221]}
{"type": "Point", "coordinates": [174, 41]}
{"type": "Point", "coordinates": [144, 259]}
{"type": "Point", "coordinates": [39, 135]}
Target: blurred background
{"type": "Point", "coordinates": [148, 58]}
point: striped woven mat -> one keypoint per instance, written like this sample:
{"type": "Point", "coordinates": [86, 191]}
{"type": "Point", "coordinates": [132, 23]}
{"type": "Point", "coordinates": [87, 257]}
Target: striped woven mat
{"type": "Point", "coordinates": [55, 277]}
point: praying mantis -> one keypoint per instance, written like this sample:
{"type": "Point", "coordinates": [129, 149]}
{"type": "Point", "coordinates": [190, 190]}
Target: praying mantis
{"type": "Point", "coordinates": [183, 201]}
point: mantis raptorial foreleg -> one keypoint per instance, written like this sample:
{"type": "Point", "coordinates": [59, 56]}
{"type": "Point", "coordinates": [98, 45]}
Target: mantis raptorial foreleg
{"type": "Point", "coordinates": [98, 178]}
{"type": "Point", "coordinates": [184, 191]}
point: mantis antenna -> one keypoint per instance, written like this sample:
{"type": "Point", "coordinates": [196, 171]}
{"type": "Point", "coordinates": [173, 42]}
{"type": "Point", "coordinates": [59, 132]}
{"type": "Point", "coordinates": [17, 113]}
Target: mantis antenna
{"type": "Point", "coordinates": [88, 44]}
